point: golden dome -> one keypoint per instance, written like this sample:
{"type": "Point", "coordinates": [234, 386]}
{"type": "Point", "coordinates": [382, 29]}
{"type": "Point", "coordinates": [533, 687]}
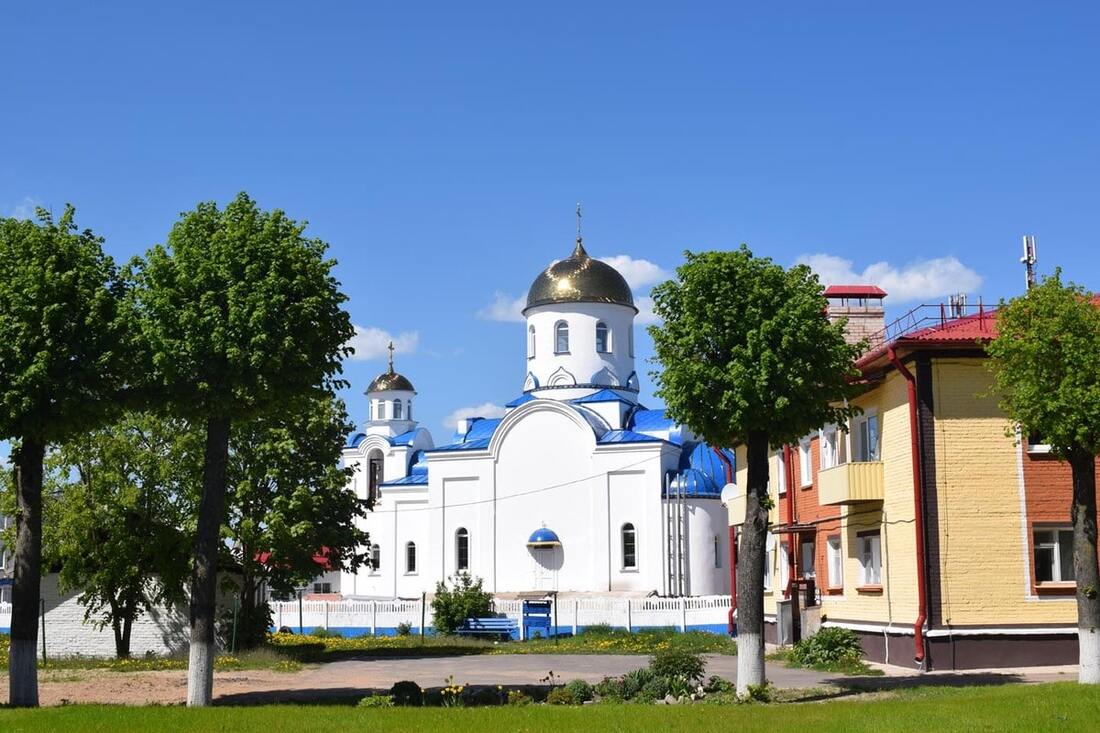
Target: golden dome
{"type": "Point", "coordinates": [390, 380]}
{"type": "Point", "coordinates": [579, 279]}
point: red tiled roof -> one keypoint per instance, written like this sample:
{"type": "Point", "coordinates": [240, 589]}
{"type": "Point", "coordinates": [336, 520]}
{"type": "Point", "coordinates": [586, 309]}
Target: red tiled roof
{"type": "Point", "coordinates": [854, 291]}
{"type": "Point", "coordinates": [967, 329]}
{"type": "Point", "coordinates": [320, 558]}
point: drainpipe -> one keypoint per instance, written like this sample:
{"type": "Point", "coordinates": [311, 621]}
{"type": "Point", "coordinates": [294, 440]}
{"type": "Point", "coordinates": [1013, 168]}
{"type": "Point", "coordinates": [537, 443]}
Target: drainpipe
{"type": "Point", "coordinates": [733, 549]}
{"type": "Point", "coordinates": [788, 480]}
{"type": "Point", "coordinates": [918, 505]}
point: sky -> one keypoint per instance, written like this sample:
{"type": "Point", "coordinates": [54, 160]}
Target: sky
{"type": "Point", "coordinates": [440, 149]}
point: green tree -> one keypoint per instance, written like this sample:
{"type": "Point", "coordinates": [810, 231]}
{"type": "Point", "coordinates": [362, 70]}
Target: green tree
{"type": "Point", "coordinates": [289, 499]}
{"type": "Point", "coordinates": [242, 316]}
{"type": "Point", "coordinates": [466, 599]}
{"type": "Point", "coordinates": [120, 515]}
{"type": "Point", "coordinates": [64, 333]}
{"type": "Point", "coordinates": [1044, 363]}
{"type": "Point", "coordinates": [748, 355]}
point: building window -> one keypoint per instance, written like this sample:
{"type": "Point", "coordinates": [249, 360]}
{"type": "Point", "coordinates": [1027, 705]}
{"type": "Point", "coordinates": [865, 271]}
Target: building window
{"type": "Point", "coordinates": [870, 558]}
{"type": "Point", "coordinates": [462, 549]}
{"type": "Point", "coordinates": [836, 563]}
{"type": "Point", "coordinates": [530, 342]}
{"type": "Point", "coordinates": [397, 410]}
{"type": "Point", "coordinates": [370, 410]}
{"type": "Point", "coordinates": [561, 338]}
{"type": "Point", "coordinates": [410, 557]}
{"type": "Point", "coordinates": [409, 412]}
{"type": "Point", "coordinates": [630, 554]}
{"type": "Point", "coordinates": [784, 566]}
{"type": "Point", "coordinates": [717, 552]}
{"type": "Point", "coordinates": [806, 559]}
{"type": "Point", "coordinates": [830, 447]}
{"type": "Point", "coordinates": [381, 410]}
{"type": "Point", "coordinates": [603, 338]}
{"type": "Point", "coordinates": [1054, 555]}
{"type": "Point", "coordinates": [769, 558]}
{"type": "Point", "coordinates": [375, 558]}
{"type": "Point", "coordinates": [805, 470]}
{"type": "Point", "coordinates": [781, 464]}
{"type": "Point", "coordinates": [867, 439]}
{"type": "Point", "coordinates": [322, 587]}
{"type": "Point", "coordinates": [374, 476]}
{"type": "Point", "coordinates": [1037, 444]}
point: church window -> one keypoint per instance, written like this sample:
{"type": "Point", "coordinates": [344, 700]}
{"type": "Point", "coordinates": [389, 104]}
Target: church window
{"type": "Point", "coordinates": [374, 475]}
{"type": "Point", "coordinates": [717, 552]}
{"type": "Point", "coordinates": [603, 338]}
{"type": "Point", "coordinates": [630, 554]}
{"type": "Point", "coordinates": [410, 557]}
{"type": "Point", "coordinates": [530, 342]}
{"type": "Point", "coordinates": [375, 558]}
{"type": "Point", "coordinates": [381, 410]}
{"type": "Point", "coordinates": [561, 338]}
{"type": "Point", "coordinates": [370, 408]}
{"type": "Point", "coordinates": [398, 410]}
{"type": "Point", "coordinates": [462, 549]}
{"type": "Point", "coordinates": [409, 412]}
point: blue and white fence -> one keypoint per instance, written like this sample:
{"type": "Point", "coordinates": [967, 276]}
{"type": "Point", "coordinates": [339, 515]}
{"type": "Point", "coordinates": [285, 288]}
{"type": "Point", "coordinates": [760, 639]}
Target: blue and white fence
{"type": "Point", "coordinates": [382, 617]}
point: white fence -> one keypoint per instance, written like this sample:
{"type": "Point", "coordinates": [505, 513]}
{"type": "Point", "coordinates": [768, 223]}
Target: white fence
{"type": "Point", "coordinates": [381, 618]}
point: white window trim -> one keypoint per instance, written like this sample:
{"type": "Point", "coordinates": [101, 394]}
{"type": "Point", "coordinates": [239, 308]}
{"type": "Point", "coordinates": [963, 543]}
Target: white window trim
{"type": "Point", "coordinates": [857, 434]}
{"type": "Point", "coordinates": [864, 580]}
{"type": "Point", "coordinates": [835, 559]}
{"type": "Point", "coordinates": [806, 468]}
{"type": "Point", "coordinates": [1057, 529]}
{"type": "Point", "coordinates": [623, 567]}
{"type": "Point", "coordinates": [781, 465]}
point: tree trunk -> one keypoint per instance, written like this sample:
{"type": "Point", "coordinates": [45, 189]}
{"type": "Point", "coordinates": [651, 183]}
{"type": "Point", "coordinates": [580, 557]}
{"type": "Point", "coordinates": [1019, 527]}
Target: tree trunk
{"type": "Point", "coordinates": [248, 602]}
{"type": "Point", "coordinates": [27, 585]}
{"type": "Point", "coordinates": [751, 557]}
{"type": "Point", "coordinates": [116, 627]}
{"type": "Point", "coordinates": [128, 614]}
{"type": "Point", "coordinates": [1085, 567]}
{"type": "Point", "coordinates": [200, 669]}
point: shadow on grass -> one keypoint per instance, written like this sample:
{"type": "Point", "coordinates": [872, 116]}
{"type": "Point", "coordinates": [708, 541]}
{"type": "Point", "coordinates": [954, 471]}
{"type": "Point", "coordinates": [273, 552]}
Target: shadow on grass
{"type": "Point", "coordinates": [472, 696]}
{"type": "Point", "coordinates": [843, 687]}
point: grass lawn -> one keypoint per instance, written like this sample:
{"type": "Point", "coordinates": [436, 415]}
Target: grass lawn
{"type": "Point", "coordinates": [1053, 707]}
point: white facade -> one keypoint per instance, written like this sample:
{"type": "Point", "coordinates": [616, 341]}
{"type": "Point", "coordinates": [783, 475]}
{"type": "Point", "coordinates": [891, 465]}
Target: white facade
{"type": "Point", "coordinates": [578, 488]}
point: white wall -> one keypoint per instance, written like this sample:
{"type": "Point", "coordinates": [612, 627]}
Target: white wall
{"type": "Point", "coordinates": [582, 361]}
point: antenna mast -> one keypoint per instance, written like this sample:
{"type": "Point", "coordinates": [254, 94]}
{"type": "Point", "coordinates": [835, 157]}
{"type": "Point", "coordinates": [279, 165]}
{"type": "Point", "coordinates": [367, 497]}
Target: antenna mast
{"type": "Point", "coordinates": [1029, 259]}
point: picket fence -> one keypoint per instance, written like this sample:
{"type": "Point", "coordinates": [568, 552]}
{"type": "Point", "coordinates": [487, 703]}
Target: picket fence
{"type": "Point", "coordinates": [382, 617]}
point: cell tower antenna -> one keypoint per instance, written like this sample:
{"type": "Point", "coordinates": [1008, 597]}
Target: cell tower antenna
{"type": "Point", "coordinates": [1029, 259]}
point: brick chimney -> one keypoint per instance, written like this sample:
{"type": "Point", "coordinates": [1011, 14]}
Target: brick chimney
{"type": "Point", "coordinates": [862, 306]}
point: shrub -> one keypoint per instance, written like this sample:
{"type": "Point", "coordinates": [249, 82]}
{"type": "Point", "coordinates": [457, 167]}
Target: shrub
{"type": "Point", "coordinates": [634, 681]}
{"type": "Point", "coordinates": [376, 701]}
{"type": "Point", "coordinates": [519, 697]}
{"type": "Point", "coordinates": [718, 684]}
{"type": "Point", "coordinates": [609, 687]}
{"type": "Point", "coordinates": [467, 599]}
{"type": "Point", "coordinates": [404, 629]}
{"type": "Point", "coordinates": [5, 644]}
{"type": "Point", "coordinates": [828, 646]}
{"type": "Point", "coordinates": [407, 692]}
{"type": "Point", "coordinates": [561, 696]}
{"type": "Point", "coordinates": [252, 626]}
{"type": "Point", "coordinates": [759, 693]}
{"type": "Point", "coordinates": [678, 663]}
{"type": "Point", "coordinates": [581, 690]}
{"type": "Point", "coordinates": [598, 629]}
{"type": "Point", "coordinates": [326, 634]}
{"type": "Point", "coordinates": [655, 689]}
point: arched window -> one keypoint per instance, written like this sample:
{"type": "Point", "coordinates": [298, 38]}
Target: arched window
{"type": "Point", "coordinates": [561, 338]}
{"type": "Point", "coordinates": [410, 557]}
{"type": "Point", "coordinates": [603, 338]}
{"type": "Point", "coordinates": [370, 408]}
{"type": "Point", "coordinates": [375, 465]}
{"type": "Point", "coordinates": [397, 410]}
{"type": "Point", "coordinates": [409, 412]}
{"type": "Point", "coordinates": [375, 558]}
{"type": "Point", "coordinates": [462, 549]}
{"type": "Point", "coordinates": [630, 555]}
{"type": "Point", "coordinates": [381, 410]}
{"type": "Point", "coordinates": [530, 342]}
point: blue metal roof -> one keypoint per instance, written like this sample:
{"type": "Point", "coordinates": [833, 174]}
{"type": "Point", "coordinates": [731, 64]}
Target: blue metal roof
{"type": "Point", "coordinates": [480, 444]}
{"type": "Point", "coordinates": [604, 395]}
{"type": "Point", "coordinates": [418, 462]}
{"type": "Point", "coordinates": [483, 428]}
{"type": "Point", "coordinates": [543, 536]}
{"type": "Point", "coordinates": [627, 436]}
{"type": "Point", "coordinates": [413, 479]}
{"type": "Point", "coordinates": [523, 399]}
{"type": "Point", "coordinates": [651, 420]}
{"type": "Point", "coordinates": [404, 438]}
{"type": "Point", "coordinates": [355, 440]}
{"type": "Point", "coordinates": [700, 472]}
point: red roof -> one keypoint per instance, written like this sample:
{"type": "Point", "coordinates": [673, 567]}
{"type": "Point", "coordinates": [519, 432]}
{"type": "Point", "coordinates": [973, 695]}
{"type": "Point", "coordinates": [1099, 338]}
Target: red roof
{"type": "Point", "coordinates": [854, 291]}
{"type": "Point", "coordinates": [967, 329]}
{"type": "Point", "coordinates": [320, 558]}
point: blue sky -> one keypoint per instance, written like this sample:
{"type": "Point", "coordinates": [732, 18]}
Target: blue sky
{"type": "Point", "coordinates": [440, 148]}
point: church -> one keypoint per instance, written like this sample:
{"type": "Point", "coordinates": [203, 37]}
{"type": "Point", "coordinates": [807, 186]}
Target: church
{"type": "Point", "coordinates": [578, 488]}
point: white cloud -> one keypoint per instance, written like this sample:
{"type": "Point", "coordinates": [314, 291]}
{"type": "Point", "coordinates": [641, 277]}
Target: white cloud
{"type": "Point", "coordinates": [918, 280]}
{"type": "Point", "coordinates": [25, 208]}
{"type": "Point", "coordinates": [638, 273]}
{"type": "Point", "coordinates": [504, 308]}
{"type": "Point", "coordinates": [372, 343]}
{"type": "Point", "coordinates": [645, 311]}
{"type": "Point", "coordinates": [487, 409]}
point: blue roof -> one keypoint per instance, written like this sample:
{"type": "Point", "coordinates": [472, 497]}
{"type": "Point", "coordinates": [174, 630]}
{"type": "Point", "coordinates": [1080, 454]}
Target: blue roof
{"type": "Point", "coordinates": [483, 428]}
{"type": "Point", "coordinates": [604, 395]}
{"type": "Point", "coordinates": [355, 440]}
{"type": "Point", "coordinates": [404, 438]}
{"type": "Point", "coordinates": [418, 462]}
{"type": "Point", "coordinates": [543, 536]}
{"type": "Point", "coordinates": [627, 436]}
{"type": "Point", "coordinates": [651, 420]}
{"type": "Point", "coordinates": [702, 473]}
{"type": "Point", "coordinates": [468, 445]}
{"type": "Point", "coordinates": [521, 400]}
{"type": "Point", "coordinates": [413, 479]}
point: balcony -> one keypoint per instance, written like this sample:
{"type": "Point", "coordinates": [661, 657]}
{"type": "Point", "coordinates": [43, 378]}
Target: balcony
{"type": "Point", "coordinates": [850, 483]}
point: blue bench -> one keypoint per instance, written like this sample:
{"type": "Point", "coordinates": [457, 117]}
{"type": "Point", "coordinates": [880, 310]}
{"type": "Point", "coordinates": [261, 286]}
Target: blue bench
{"type": "Point", "coordinates": [492, 626]}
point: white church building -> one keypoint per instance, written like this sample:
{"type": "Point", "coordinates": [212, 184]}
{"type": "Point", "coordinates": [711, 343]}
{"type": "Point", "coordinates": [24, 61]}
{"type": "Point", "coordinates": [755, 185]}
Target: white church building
{"type": "Point", "coordinates": [577, 488]}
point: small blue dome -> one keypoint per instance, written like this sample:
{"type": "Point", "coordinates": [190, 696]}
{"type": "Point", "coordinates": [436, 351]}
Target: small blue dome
{"type": "Point", "coordinates": [543, 537]}
{"type": "Point", "coordinates": [701, 473]}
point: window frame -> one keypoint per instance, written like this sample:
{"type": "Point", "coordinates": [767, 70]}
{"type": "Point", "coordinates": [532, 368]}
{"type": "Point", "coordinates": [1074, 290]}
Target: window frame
{"type": "Point", "coordinates": [462, 537]}
{"type": "Point", "coordinates": [806, 462]}
{"type": "Point", "coordinates": [862, 433]}
{"type": "Point", "coordinates": [530, 342]}
{"type": "Point", "coordinates": [607, 344]}
{"type": "Point", "coordinates": [835, 561]}
{"type": "Point", "coordinates": [870, 576]}
{"type": "Point", "coordinates": [1057, 574]}
{"type": "Point", "coordinates": [628, 532]}
{"type": "Point", "coordinates": [398, 410]}
{"type": "Point", "coordinates": [836, 452]}
{"type": "Point", "coordinates": [561, 327]}
{"type": "Point", "coordinates": [410, 555]}
{"type": "Point", "coordinates": [375, 559]}
{"type": "Point", "coordinates": [781, 465]}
